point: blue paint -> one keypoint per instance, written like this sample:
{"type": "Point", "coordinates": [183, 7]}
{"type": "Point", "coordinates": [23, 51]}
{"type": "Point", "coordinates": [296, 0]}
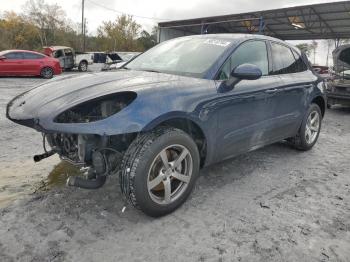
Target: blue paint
{"type": "Point", "coordinates": [234, 118]}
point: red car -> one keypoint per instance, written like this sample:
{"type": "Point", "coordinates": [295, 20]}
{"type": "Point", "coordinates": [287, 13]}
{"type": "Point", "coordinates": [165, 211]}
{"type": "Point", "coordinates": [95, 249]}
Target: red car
{"type": "Point", "coordinates": [28, 63]}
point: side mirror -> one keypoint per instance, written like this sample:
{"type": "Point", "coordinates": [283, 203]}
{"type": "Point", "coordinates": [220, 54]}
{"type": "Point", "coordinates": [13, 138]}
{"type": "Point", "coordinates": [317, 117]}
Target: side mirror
{"type": "Point", "coordinates": [2, 58]}
{"type": "Point", "coordinates": [241, 72]}
{"type": "Point", "coordinates": [246, 72]}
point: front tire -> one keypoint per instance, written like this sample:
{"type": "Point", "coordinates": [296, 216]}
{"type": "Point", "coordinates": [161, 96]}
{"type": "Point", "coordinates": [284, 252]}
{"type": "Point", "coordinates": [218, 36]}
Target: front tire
{"type": "Point", "coordinates": [310, 129]}
{"type": "Point", "coordinates": [159, 170]}
{"type": "Point", "coordinates": [46, 72]}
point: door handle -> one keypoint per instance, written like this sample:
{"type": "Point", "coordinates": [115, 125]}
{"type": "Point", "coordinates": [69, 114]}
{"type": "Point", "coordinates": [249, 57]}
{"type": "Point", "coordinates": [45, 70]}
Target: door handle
{"type": "Point", "coordinates": [271, 91]}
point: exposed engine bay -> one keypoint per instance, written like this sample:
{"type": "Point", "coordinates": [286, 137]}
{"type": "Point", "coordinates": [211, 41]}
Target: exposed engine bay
{"type": "Point", "coordinates": [100, 155]}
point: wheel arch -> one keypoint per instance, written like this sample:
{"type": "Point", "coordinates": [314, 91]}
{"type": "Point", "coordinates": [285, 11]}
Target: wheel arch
{"type": "Point", "coordinates": [46, 66]}
{"type": "Point", "coordinates": [186, 124]}
{"type": "Point", "coordinates": [320, 101]}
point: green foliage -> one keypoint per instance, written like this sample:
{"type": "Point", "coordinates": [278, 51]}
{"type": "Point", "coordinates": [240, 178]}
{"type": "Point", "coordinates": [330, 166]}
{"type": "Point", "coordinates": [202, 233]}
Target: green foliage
{"type": "Point", "coordinates": [43, 24]}
{"type": "Point", "coordinates": [148, 40]}
{"type": "Point", "coordinates": [16, 33]}
{"type": "Point", "coordinates": [119, 35]}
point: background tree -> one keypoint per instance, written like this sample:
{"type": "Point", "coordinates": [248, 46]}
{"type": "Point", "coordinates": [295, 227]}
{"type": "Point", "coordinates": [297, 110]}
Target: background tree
{"type": "Point", "coordinates": [16, 33]}
{"type": "Point", "coordinates": [148, 40]}
{"type": "Point", "coordinates": [43, 24]}
{"type": "Point", "coordinates": [119, 35]}
{"type": "Point", "coordinates": [49, 19]}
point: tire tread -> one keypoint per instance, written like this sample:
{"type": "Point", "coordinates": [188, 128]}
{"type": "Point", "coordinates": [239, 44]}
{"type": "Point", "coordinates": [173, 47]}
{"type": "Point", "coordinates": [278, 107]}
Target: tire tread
{"type": "Point", "coordinates": [131, 159]}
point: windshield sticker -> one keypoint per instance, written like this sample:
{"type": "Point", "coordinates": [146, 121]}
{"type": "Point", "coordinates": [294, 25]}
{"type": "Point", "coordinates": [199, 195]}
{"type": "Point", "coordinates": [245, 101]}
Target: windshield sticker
{"type": "Point", "coordinates": [217, 42]}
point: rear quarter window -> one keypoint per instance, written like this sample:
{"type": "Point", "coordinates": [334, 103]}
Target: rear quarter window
{"type": "Point", "coordinates": [300, 64]}
{"type": "Point", "coordinates": [286, 61]}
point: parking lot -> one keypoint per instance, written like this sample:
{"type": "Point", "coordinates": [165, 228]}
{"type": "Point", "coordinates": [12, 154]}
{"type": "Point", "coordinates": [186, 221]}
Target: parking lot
{"type": "Point", "coordinates": [274, 204]}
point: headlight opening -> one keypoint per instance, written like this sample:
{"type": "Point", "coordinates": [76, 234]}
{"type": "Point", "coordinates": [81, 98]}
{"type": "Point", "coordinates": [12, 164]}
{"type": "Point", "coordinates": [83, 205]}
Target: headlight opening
{"type": "Point", "coordinates": [96, 109]}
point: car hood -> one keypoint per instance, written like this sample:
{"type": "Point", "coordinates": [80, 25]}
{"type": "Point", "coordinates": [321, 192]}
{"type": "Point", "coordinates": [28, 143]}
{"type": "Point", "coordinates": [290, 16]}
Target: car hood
{"type": "Point", "coordinates": [65, 92]}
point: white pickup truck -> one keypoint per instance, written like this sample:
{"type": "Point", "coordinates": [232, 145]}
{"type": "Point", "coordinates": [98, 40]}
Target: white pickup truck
{"type": "Point", "coordinates": [70, 59]}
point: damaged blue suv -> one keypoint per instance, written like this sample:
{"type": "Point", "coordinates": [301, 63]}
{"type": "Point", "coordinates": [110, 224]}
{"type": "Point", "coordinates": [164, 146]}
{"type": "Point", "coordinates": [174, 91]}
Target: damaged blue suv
{"type": "Point", "coordinates": [187, 103]}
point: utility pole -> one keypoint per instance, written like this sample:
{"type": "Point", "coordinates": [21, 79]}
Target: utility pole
{"type": "Point", "coordinates": [84, 34]}
{"type": "Point", "coordinates": [83, 24]}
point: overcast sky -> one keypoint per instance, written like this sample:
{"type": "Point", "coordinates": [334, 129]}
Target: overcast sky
{"type": "Point", "coordinates": [169, 10]}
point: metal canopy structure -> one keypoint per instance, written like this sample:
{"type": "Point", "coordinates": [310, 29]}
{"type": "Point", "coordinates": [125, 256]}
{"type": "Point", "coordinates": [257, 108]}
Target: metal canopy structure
{"type": "Point", "coordinates": [318, 21]}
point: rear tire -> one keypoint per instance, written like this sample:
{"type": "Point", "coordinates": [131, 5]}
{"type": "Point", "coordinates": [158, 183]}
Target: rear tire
{"type": "Point", "coordinates": [83, 66]}
{"type": "Point", "coordinates": [309, 130]}
{"type": "Point", "coordinates": [46, 72]}
{"type": "Point", "coordinates": [159, 170]}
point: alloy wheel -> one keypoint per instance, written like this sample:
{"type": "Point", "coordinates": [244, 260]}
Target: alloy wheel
{"type": "Point", "coordinates": [169, 174]}
{"type": "Point", "coordinates": [47, 72]}
{"type": "Point", "coordinates": [312, 127]}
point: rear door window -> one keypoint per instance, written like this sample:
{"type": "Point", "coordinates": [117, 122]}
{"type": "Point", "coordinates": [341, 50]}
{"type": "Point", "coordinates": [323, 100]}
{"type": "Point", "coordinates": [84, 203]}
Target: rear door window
{"type": "Point", "coordinates": [251, 52]}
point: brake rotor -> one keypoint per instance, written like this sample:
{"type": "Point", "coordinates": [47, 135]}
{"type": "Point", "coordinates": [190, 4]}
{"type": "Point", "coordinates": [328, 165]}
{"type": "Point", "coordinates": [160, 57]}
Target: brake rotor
{"type": "Point", "coordinates": [159, 165]}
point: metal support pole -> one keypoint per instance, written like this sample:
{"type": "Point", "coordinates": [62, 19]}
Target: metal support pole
{"type": "Point", "coordinates": [337, 42]}
{"type": "Point", "coordinates": [261, 25]}
{"type": "Point", "coordinates": [204, 28]}
{"type": "Point", "coordinates": [159, 31]}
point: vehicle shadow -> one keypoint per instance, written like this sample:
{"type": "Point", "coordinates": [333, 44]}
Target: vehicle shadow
{"type": "Point", "coordinates": [20, 77]}
{"type": "Point", "coordinates": [109, 200]}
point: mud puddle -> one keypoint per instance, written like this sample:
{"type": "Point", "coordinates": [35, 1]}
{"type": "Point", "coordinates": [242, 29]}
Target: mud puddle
{"type": "Point", "coordinates": [23, 178]}
{"type": "Point", "coordinates": [58, 176]}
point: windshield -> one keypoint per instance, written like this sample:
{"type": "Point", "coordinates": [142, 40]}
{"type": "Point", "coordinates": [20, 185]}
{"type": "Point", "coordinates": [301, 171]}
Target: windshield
{"type": "Point", "coordinates": [181, 56]}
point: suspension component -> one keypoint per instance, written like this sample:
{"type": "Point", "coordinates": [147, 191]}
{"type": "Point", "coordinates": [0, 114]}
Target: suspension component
{"type": "Point", "coordinates": [47, 154]}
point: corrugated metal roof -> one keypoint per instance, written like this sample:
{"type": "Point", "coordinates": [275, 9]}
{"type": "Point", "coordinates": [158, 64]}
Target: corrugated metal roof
{"type": "Point", "coordinates": [317, 21]}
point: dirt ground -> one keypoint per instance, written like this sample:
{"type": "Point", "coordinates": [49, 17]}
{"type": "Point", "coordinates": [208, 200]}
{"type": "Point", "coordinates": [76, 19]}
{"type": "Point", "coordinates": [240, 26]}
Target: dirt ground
{"type": "Point", "coordinates": [274, 204]}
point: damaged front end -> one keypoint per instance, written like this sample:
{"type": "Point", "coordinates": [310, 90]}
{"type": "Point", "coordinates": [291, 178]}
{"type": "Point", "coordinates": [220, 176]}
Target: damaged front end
{"type": "Point", "coordinates": [100, 155]}
{"type": "Point", "coordinates": [76, 131]}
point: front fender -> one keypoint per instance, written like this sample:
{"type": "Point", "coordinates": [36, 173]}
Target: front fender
{"type": "Point", "coordinates": [169, 116]}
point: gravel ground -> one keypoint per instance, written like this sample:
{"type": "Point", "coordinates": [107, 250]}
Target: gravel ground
{"type": "Point", "coordinates": [274, 204]}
